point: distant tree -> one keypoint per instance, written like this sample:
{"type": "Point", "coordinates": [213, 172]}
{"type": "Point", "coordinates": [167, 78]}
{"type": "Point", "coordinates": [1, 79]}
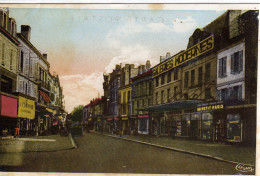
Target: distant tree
{"type": "Point", "coordinates": [77, 113]}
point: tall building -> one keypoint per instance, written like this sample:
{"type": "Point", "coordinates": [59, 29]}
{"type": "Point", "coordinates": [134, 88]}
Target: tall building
{"type": "Point", "coordinates": [9, 51]}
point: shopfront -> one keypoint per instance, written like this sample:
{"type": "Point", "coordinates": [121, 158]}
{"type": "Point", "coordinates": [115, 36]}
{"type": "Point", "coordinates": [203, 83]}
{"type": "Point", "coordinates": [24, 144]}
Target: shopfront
{"type": "Point", "coordinates": [26, 115]}
{"type": "Point", "coordinates": [143, 124]}
{"type": "Point", "coordinates": [8, 113]}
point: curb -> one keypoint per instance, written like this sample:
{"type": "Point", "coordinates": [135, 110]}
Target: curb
{"type": "Point", "coordinates": [177, 150]}
{"type": "Point", "coordinates": [73, 141]}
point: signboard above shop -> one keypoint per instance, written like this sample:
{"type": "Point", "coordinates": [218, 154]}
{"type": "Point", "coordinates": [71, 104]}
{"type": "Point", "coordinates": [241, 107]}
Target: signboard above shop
{"type": "Point", "coordinates": [185, 56]}
{"type": "Point", "coordinates": [210, 106]}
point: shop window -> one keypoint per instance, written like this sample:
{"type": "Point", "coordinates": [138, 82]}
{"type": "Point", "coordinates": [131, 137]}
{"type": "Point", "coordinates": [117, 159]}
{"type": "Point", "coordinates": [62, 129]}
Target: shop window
{"type": "Point", "coordinates": [185, 125]}
{"type": "Point", "coordinates": [192, 78]}
{"type": "Point", "coordinates": [169, 77]}
{"type": "Point", "coordinates": [206, 125]}
{"type": "Point", "coordinates": [178, 126]}
{"type": "Point", "coordinates": [234, 128]}
{"type": "Point", "coordinates": [186, 79]}
{"type": "Point", "coordinates": [222, 67]}
{"type": "Point", "coordinates": [237, 62]}
{"type": "Point", "coordinates": [207, 72]}
{"type": "Point", "coordinates": [175, 74]}
{"type": "Point", "coordinates": [143, 125]}
{"type": "Point", "coordinates": [200, 76]}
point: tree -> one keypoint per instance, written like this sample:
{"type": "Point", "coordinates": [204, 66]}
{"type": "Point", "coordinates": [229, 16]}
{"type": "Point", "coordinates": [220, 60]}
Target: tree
{"type": "Point", "coordinates": [77, 113]}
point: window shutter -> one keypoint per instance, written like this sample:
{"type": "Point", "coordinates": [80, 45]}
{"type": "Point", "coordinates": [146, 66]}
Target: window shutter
{"type": "Point", "coordinates": [220, 68]}
{"type": "Point", "coordinates": [241, 60]}
{"type": "Point", "coordinates": [224, 66]}
{"type": "Point", "coordinates": [29, 89]}
{"type": "Point", "coordinates": [240, 92]}
{"type": "Point", "coordinates": [232, 63]}
{"type": "Point", "coordinates": [218, 94]}
{"type": "Point", "coordinates": [20, 89]}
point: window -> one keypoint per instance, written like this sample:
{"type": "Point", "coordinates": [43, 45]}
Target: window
{"type": "Point", "coordinates": [236, 93]}
{"type": "Point", "coordinates": [207, 72]}
{"type": "Point", "coordinates": [5, 16]}
{"type": "Point", "coordinates": [21, 64]}
{"type": "Point", "coordinates": [3, 54]}
{"type": "Point", "coordinates": [207, 93]}
{"type": "Point", "coordinates": [162, 96]}
{"type": "Point", "coordinates": [192, 77]}
{"type": "Point", "coordinates": [223, 94]}
{"type": "Point", "coordinates": [200, 76]}
{"type": "Point", "coordinates": [6, 84]}
{"type": "Point", "coordinates": [11, 59]}
{"type": "Point", "coordinates": [162, 79]}
{"type": "Point", "coordinates": [128, 96]}
{"type": "Point", "coordinates": [137, 104]}
{"type": "Point", "coordinates": [149, 102]}
{"type": "Point", "coordinates": [156, 98]}
{"type": "Point", "coordinates": [237, 62]}
{"type": "Point", "coordinates": [175, 74]}
{"type": "Point", "coordinates": [222, 67]}
{"type": "Point", "coordinates": [169, 77]}
{"type": "Point", "coordinates": [168, 95]}
{"type": "Point", "coordinates": [186, 79]}
{"type": "Point", "coordinates": [150, 88]}
{"type": "Point", "coordinates": [143, 102]}
{"type": "Point", "coordinates": [175, 91]}
{"type": "Point", "coordinates": [157, 81]}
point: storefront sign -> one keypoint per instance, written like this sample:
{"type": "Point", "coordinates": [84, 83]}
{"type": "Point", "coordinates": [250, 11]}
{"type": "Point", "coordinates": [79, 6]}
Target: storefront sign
{"type": "Point", "coordinates": [143, 116]}
{"type": "Point", "coordinates": [185, 56]}
{"type": "Point", "coordinates": [8, 106]}
{"type": "Point", "coordinates": [26, 108]}
{"type": "Point", "coordinates": [210, 107]}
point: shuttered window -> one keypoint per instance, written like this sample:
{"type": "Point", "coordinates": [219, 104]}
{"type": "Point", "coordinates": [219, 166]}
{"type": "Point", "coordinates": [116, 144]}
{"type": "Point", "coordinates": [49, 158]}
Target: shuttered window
{"type": "Point", "coordinates": [222, 67]}
{"type": "Point", "coordinates": [237, 62]}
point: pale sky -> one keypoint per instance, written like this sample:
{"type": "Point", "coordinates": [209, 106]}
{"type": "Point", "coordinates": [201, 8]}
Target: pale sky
{"type": "Point", "coordinates": [82, 44]}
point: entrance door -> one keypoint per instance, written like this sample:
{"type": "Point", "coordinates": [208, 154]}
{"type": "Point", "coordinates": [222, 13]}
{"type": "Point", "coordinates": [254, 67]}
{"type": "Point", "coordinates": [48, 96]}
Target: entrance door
{"type": "Point", "coordinates": [221, 130]}
{"type": "Point", "coordinates": [194, 128]}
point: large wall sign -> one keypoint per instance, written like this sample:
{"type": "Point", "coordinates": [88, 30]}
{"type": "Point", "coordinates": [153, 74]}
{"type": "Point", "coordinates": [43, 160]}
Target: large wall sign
{"type": "Point", "coordinates": [185, 56]}
{"type": "Point", "coordinates": [26, 108]}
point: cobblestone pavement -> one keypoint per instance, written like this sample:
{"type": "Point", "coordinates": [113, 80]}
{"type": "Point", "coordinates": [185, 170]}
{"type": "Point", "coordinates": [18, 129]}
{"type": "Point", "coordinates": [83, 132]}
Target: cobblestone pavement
{"type": "Point", "coordinates": [235, 153]}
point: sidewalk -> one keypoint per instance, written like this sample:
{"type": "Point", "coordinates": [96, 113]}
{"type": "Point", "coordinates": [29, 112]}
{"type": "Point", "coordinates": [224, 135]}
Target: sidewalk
{"type": "Point", "coordinates": [36, 144]}
{"type": "Point", "coordinates": [224, 152]}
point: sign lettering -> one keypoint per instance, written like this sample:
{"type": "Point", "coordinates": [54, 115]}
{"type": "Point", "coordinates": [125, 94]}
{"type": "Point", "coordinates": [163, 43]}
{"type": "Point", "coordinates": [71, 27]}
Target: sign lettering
{"type": "Point", "coordinates": [185, 56]}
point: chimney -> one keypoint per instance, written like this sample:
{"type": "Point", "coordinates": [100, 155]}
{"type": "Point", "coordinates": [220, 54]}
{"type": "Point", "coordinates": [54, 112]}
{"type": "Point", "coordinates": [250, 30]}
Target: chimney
{"type": "Point", "coordinates": [168, 55]}
{"type": "Point", "coordinates": [44, 56]}
{"type": "Point", "coordinates": [26, 31]}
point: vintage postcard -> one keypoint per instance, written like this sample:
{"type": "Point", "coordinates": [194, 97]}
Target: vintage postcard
{"type": "Point", "coordinates": [128, 89]}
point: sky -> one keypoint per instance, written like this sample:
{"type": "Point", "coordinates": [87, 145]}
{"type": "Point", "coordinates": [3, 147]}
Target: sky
{"type": "Point", "coordinates": [82, 44]}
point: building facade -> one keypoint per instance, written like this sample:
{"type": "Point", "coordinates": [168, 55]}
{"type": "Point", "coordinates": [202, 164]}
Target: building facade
{"type": "Point", "coordinates": [9, 50]}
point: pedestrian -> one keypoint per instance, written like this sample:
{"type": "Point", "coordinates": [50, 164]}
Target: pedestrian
{"type": "Point", "coordinates": [17, 132]}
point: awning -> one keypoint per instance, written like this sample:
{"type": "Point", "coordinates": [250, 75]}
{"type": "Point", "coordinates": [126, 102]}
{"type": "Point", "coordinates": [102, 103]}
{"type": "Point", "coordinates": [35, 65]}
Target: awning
{"type": "Point", "coordinates": [8, 106]}
{"type": "Point", "coordinates": [174, 106]}
{"type": "Point", "coordinates": [51, 110]}
{"type": "Point", "coordinates": [45, 97]}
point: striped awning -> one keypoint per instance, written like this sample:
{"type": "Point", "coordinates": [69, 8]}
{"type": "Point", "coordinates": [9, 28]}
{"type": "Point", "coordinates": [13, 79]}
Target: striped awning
{"type": "Point", "coordinates": [45, 97]}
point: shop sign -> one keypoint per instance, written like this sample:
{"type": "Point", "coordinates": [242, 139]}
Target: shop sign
{"type": "Point", "coordinates": [8, 106]}
{"type": "Point", "coordinates": [185, 56]}
{"type": "Point", "coordinates": [143, 116]}
{"type": "Point", "coordinates": [210, 106]}
{"type": "Point", "coordinates": [26, 108]}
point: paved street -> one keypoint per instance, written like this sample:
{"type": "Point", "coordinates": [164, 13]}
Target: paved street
{"type": "Point", "coordinates": [96, 153]}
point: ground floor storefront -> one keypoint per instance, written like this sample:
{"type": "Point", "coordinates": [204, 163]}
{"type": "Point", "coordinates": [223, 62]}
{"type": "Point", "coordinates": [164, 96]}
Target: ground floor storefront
{"type": "Point", "coordinates": [212, 121]}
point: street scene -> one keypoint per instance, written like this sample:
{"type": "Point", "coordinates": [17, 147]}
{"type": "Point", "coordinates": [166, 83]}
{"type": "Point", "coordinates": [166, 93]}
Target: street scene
{"type": "Point", "coordinates": [136, 91]}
